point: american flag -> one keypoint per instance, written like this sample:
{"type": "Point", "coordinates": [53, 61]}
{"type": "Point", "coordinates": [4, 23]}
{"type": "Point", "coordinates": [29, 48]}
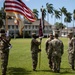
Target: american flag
{"type": "Point", "coordinates": [19, 7]}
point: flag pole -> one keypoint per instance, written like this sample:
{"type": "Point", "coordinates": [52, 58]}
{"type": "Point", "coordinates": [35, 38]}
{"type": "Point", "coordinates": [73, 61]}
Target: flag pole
{"type": "Point", "coordinates": [41, 34]}
{"type": "Point", "coordinates": [40, 56]}
{"type": "Point", "coordinates": [6, 23]}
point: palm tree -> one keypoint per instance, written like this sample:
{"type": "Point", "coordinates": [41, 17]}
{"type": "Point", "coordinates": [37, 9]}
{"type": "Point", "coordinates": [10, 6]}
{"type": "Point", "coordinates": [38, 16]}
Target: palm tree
{"type": "Point", "coordinates": [1, 22]}
{"type": "Point", "coordinates": [59, 25]}
{"type": "Point", "coordinates": [43, 15]}
{"type": "Point", "coordinates": [2, 13]}
{"type": "Point", "coordinates": [68, 19]}
{"type": "Point", "coordinates": [2, 16]}
{"type": "Point", "coordinates": [35, 11]}
{"type": "Point", "coordinates": [57, 14]}
{"type": "Point", "coordinates": [62, 11]}
{"type": "Point", "coordinates": [49, 8]}
{"type": "Point", "coordinates": [73, 17]}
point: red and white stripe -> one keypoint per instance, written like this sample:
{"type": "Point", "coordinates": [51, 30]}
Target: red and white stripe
{"type": "Point", "coordinates": [19, 7]}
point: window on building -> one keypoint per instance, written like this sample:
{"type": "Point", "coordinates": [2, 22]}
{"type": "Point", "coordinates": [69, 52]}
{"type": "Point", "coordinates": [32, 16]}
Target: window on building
{"type": "Point", "coordinates": [25, 27]}
{"type": "Point", "coordinates": [44, 27]}
{"type": "Point", "coordinates": [29, 27]}
{"type": "Point", "coordinates": [8, 26]}
{"type": "Point", "coordinates": [16, 26]}
{"type": "Point", "coordinates": [3, 26]}
{"type": "Point", "coordinates": [36, 27]}
{"type": "Point", "coordinates": [12, 26]}
{"type": "Point", "coordinates": [50, 26]}
{"type": "Point", "coordinates": [64, 33]}
{"type": "Point", "coordinates": [33, 27]}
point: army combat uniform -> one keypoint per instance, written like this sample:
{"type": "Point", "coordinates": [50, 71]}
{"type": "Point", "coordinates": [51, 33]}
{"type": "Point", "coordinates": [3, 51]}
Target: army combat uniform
{"type": "Point", "coordinates": [47, 47]}
{"type": "Point", "coordinates": [4, 52]}
{"type": "Point", "coordinates": [71, 52]}
{"type": "Point", "coordinates": [55, 52]}
{"type": "Point", "coordinates": [34, 51]}
{"type": "Point", "coordinates": [47, 44]}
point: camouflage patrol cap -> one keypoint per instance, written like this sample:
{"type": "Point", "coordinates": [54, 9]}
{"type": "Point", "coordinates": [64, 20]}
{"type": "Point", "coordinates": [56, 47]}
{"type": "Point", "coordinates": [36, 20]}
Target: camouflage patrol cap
{"type": "Point", "coordinates": [33, 34]}
{"type": "Point", "coordinates": [50, 34]}
{"type": "Point", "coordinates": [56, 35]}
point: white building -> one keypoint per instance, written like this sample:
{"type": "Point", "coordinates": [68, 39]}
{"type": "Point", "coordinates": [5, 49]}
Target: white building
{"type": "Point", "coordinates": [29, 28]}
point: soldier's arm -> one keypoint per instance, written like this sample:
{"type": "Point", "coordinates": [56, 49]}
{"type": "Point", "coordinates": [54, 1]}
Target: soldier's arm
{"type": "Point", "coordinates": [62, 48]}
{"type": "Point", "coordinates": [70, 49]}
{"type": "Point", "coordinates": [73, 45]}
{"type": "Point", "coordinates": [36, 42]}
{"type": "Point", "coordinates": [50, 49]}
{"type": "Point", "coordinates": [8, 38]}
{"type": "Point", "coordinates": [46, 45]}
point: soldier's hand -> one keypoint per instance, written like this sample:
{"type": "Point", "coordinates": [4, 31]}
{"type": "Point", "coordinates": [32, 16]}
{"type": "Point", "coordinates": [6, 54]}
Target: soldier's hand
{"type": "Point", "coordinates": [40, 38]}
{"type": "Point", "coordinates": [39, 50]}
{"type": "Point", "coordinates": [72, 52]}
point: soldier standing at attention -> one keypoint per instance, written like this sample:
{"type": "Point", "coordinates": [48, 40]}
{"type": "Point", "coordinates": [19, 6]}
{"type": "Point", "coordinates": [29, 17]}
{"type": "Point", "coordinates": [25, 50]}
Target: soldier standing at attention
{"type": "Point", "coordinates": [47, 42]}
{"type": "Point", "coordinates": [55, 52]}
{"type": "Point", "coordinates": [34, 50]}
{"type": "Point", "coordinates": [4, 51]}
{"type": "Point", "coordinates": [47, 46]}
{"type": "Point", "coordinates": [71, 50]}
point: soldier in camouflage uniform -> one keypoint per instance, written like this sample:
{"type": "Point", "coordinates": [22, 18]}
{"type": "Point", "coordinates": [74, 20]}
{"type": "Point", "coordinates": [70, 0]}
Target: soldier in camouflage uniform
{"type": "Point", "coordinates": [71, 50]}
{"type": "Point", "coordinates": [55, 52]}
{"type": "Point", "coordinates": [34, 50]}
{"type": "Point", "coordinates": [47, 42]}
{"type": "Point", "coordinates": [46, 47]}
{"type": "Point", "coordinates": [4, 51]}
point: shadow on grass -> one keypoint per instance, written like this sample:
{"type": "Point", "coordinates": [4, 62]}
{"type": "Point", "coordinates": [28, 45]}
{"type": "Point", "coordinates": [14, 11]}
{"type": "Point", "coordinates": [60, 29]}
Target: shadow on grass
{"type": "Point", "coordinates": [67, 71]}
{"type": "Point", "coordinates": [63, 71]}
{"type": "Point", "coordinates": [44, 71]}
{"type": "Point", "coordinates": [17, 71]}
{"type": "Point", "coordinates": [22, 71]}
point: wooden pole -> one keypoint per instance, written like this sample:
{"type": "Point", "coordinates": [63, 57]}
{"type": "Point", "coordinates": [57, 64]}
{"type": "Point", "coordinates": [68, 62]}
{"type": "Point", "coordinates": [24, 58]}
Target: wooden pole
{"type": "Point", "coordinates": [40, 56]}
{"type": "Point", "coordinates": [6, 23]}
{"type": "Point", "coordinates": [42, 16]}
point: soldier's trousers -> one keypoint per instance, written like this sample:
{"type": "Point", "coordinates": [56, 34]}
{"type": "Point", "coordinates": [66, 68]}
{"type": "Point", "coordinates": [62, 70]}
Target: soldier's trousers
{"type": "Point", "coordinates": [34, 60]}
{"type": "Point", "coordinates": [56, 63]}
{"type": "Point", "coordinates": [71, 59]}
{"type": "Point", "coordinates": [4, 62]}
{"type": "Point", "coordinates": [50, 63]}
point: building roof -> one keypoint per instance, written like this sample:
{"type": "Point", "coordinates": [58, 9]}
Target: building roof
{"type": "Point", "coordinates": [10, 22]}
{"type": "Point", "coordinates": [37, 22]}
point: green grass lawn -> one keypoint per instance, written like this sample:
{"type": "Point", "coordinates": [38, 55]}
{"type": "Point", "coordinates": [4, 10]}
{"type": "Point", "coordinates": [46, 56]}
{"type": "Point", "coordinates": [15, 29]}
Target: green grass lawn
{"type": "Point", "coordinates": [20, 62]}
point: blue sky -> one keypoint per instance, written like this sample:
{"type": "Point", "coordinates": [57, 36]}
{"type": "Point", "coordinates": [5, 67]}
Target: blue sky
{"type": "Point", "coordinates": [36, 4]}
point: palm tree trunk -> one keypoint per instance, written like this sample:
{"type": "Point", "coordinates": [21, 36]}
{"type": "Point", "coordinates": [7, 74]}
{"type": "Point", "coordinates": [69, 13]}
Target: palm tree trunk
{"type": "Point", "coordinates": [67, 27]}
{"type": "Point", "coordinates": [61, 18]}
{"type": "Point", "coordinates": [73, 27]}
{"type": "Point", "coordinates": [48, 17]}
{"type": "Point", "coordinates": [48, 21]}
{"type": "Point", "coordinates": [54, 20]}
